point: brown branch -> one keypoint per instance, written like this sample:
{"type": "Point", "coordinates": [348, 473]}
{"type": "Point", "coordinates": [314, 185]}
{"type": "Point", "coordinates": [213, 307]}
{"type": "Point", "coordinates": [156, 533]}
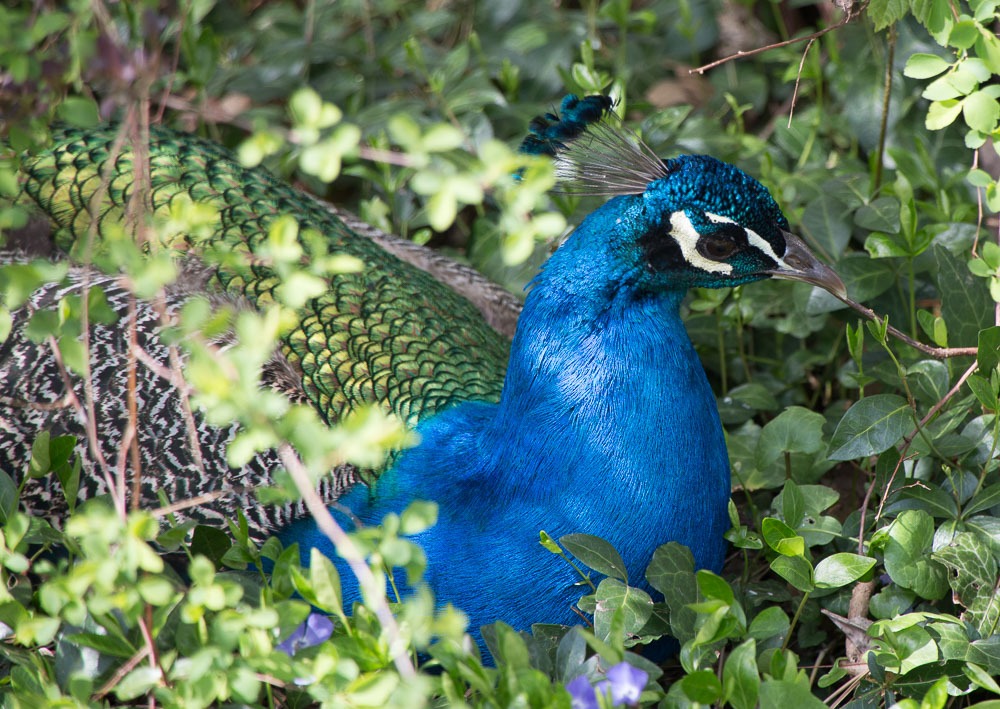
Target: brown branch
{"type": "Point", "coordinates": [60, 403]}
{"type": "Point", "coordinates": [87, 423]}
{"type": "Point", "coordinates": [759, 50]}
{"type": "Point", "coordinates": [192, 502]}
{"type": "Point", "coordinates": [886, 96]}
{"type": "Point", "coordinates": [939, 352]}
{"type": "Point", "coordinates": [798, 76]}
{"type": "Point", "coordinates": [122, 671]}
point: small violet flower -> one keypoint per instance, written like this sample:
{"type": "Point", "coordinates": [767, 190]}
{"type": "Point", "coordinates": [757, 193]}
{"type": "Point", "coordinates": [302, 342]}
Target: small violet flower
{"type": "Point", "coordinates": [314, 630]}
{"type": "Point", "coordinates": [582, 693]}
{"type": "Point", "coordinates": [624, 681]}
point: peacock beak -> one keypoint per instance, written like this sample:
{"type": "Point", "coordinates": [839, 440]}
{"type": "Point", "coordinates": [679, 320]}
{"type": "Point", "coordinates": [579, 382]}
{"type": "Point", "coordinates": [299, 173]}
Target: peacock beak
{"type": "Point", "coordinates": [800, 264]}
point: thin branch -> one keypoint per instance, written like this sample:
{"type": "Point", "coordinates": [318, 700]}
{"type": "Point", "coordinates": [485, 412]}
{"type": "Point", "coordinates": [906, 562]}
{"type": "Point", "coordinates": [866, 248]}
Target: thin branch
{"type": "Point", "coordinates": [798, 76]}
{"type": "Point", "coordinates": [122, 671]}
{"type": "Point", "coordinates": [815, 35]}
{"type": "Point", "coordinates": [87, 424]}
{"type": "Point", "coordinates": [939, 352]}
{"type": "Point", "coordinates": [886, 96]}
{"type": "Point", "coordinates": [60, 403]}
{"type": "Point", "coordinates": [349, 551]}
{"type": "Point", "coordinates": [938, 405]}
{"type": "Point", "coordinates": [192, 502]}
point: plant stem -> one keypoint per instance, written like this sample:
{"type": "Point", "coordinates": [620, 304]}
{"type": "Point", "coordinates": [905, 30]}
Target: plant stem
{"type": "Point", "coordinates": [795, 619]}
{"type": "Point", "coordinates": [886, 93]}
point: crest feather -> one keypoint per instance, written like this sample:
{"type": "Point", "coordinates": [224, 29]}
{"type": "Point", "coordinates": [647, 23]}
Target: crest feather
{"type": "Point", "coordinates": [595, 153]}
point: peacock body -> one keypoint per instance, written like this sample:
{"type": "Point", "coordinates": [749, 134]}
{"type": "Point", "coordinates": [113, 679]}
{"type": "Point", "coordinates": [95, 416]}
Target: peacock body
{"type": "Point", "coordinates": [602, 420]}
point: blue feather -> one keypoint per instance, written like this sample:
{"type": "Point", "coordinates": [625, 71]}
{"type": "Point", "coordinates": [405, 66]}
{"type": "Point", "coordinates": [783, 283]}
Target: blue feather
{"type": "Point", "coordinates": [549, 133]}
{"type": "Point", "coordinates": [606, 424]}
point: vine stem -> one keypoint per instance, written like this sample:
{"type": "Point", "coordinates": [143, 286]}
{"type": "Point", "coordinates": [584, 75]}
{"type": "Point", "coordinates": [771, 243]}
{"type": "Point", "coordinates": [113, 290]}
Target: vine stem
{"type": "Point", "coordinates": [851, 16]}
{"type": "Point", "coordinates": [939, 352]}
{"type": "Point", "coordinates": [886, 94]}
{"type": "Point", "coordinates": [795, 618]}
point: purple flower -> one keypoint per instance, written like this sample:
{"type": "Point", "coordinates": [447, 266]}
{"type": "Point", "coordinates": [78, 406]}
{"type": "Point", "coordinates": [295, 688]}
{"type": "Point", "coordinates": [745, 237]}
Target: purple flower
{"type": "Point", "coordinates": [626, 683]}
{"type": "Point", "coordinates": [314, 630]}
{"type": "Point", "coordinates": [582, 693]}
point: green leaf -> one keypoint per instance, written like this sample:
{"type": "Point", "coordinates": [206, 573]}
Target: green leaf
{"type": "Point", "coordinates": [881, 214]}
{"type": "Point", "coordinates": [210, 542]}
{"type": "Point", "coordinates": [740, 680]}
{"type": "Point", "coordinates": [137, 682]}
{"type": "Point", "coordinates": [981, 111]}
{"type": "Point", "coordinates": [973, 580]}
{"type": "Point", "coordinates": [983, 390]}
{"type": "Point", "coordinates": [884, 13]}
{"type": "Point", "coordinates": [612, 597]}
{"type": "Point", "coordinates": [871, 426]}
{"type": "Point", "coordinates": [107, 644]}
{"type": "Point", "coordinates": [8, 497]}
{"type": "Point", "coordinates": [841, 569]}
{"type": "Point", "coordinates": [987, 498]}
{"type": "Point", "coordinates": [793, 504]}
{"type": "Point", "coordinates": [785, 693]}
{"type": "Point", "coordinates": [966, 305]}
{"type": "Point", "coordinates": [714, 586]}
{"type": "Point", "coordinates": [796, 570]}
{"type": "Point", "coordinates": [825, 223]}
{"type": "Point", "coordinates": [963, 34]}
{"type": "Point", "coordinates": [794, 430]}
{"type": "Point", "coordinates": [325, 582]}
{"type": "Point", "coordinates": [306, 107]}
{"type": "Point", "coordinates": [671, 572]}
{"type": "Point", "coordinates": [988, 354]}
{"type": "Point", "coordinates": [418, 516]}
{"type": "Point", "coordinates": [79, 111]}
{"type": "Point", "coordinates": [981, 678]}
{"type": "Point", "coordinates": [768, 623]}
{"type": "Point", "coordinates": [782, 538]}
{"type": "Point", "coordinates": [597, 554]}
{"type": "Point", "coordinates": [924, 66]}
{"type": "Point", "coordinates": [941, 114]}
{"type": "Point", "coordinates": [906, 555]}
{"type": "Point", "coordinates": [702, 686]}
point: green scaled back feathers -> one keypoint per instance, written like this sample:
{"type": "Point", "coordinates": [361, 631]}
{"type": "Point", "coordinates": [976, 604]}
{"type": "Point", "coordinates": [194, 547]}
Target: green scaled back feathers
{"type": "Point", "coordinates": [388, 334]}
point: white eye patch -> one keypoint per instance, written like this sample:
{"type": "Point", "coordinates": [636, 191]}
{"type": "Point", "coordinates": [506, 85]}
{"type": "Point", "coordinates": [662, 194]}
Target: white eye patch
{"type": "Point", "coordinates": [753, 238]}
{"type": "Point", "coordinates": [686, 236]}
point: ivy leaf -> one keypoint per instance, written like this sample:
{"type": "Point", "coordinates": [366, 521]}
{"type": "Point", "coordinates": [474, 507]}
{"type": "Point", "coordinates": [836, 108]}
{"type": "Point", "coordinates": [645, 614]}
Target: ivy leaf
{"type": "Point", "coordinates": [794, 430]}
{"type": "Point", "coordinates": [871, 426]}
{"type": "Point", "coordinates": [881, 214]}
{"type": "Point", "coordinates": [909, 539]}
{"type": "Point", "coordinates": [973, 580]}
{"type": "Point", "coordinates": [596, 553]}
{"type": "Point", "coordinates": [966, 305]}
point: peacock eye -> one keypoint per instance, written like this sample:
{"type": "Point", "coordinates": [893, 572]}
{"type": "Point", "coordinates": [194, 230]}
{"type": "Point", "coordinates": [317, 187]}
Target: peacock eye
{"type": "Point", "coordinates": [717, 247]}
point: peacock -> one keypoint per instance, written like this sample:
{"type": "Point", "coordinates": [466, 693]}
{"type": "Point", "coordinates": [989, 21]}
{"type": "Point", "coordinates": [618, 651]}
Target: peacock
{"type": "Point", "coordinates": [596, 418]}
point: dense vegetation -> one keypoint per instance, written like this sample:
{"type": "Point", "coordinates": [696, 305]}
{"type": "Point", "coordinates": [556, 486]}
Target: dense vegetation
{"type": "Point", "coordinates": [866, 498]}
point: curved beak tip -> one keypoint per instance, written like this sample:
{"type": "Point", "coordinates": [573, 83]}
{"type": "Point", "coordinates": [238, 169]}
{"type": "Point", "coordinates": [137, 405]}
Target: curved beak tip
{"type": "Point", "coordinates": [800, 264]}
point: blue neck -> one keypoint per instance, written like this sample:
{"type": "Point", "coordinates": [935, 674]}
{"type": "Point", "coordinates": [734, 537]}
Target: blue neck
{"type": "Point", "coordinates": [606, 426]}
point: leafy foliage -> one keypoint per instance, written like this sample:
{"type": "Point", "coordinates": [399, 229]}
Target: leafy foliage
{"type": "Point", "coordinates": [866, 516]}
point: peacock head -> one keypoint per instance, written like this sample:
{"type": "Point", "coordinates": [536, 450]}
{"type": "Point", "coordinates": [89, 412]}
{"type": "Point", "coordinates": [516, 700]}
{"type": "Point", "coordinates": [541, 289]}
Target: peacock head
{"type": "Point", "coordinates": [688, 221]}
